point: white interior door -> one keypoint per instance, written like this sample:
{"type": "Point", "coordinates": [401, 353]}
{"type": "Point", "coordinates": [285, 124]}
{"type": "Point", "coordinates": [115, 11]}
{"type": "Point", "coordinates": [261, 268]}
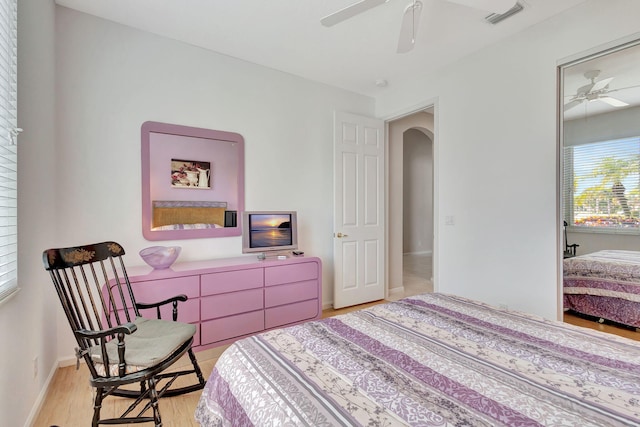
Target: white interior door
{"type": "Point", "coordinates": [358, 210]}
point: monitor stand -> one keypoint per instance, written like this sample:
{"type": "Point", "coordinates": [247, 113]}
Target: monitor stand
{"type": "Point", "coordinates": [275, 254]}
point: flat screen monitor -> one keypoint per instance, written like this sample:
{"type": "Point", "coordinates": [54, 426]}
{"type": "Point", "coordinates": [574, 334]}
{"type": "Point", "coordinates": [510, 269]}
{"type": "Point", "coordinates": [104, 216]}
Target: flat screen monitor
{"type": "Point", "coordinates": [269, 231]}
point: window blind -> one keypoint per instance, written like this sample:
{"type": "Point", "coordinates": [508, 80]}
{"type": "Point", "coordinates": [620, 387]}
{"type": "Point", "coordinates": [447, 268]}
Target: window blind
{"type": "Point", "coordinates": [8, 149]}
{"type": "Point", "coordinates": [602, 184]}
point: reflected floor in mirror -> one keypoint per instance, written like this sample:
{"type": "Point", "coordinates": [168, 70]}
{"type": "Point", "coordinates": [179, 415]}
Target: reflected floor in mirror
{"type": "Point", "coordinates": [417, 275]}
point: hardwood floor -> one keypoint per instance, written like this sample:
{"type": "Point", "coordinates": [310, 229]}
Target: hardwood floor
{"type": "Point", "coordinates": [69, 401]}
{"type": "Point", "coordinates": [631, 333]}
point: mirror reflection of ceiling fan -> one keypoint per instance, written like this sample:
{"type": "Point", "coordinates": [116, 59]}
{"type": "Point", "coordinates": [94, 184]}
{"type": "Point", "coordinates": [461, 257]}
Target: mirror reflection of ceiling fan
{"type": "Point", "coordinates": [411, 16]}
{"type": "Point", "coordinates": [595, 91]}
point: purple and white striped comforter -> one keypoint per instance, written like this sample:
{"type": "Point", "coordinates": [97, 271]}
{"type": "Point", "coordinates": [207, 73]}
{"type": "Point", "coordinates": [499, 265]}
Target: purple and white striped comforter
{"type": "Point", "coordinates": [429, 360]}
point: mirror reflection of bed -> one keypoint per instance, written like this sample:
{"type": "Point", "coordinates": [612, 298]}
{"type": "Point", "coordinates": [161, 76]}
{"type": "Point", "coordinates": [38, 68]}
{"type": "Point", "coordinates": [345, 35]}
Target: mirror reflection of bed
{"type": "Point", "coordinates": [600, 191]}
{"type": "Point", "coordinates": [187, 215]}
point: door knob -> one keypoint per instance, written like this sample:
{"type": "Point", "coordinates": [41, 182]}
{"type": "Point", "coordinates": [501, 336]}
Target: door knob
{"type": "Point", "coordinates": [339, 235]}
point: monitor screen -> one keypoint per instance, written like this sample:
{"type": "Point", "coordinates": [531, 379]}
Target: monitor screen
{"type": "Point", "coordinates": [269, 231]}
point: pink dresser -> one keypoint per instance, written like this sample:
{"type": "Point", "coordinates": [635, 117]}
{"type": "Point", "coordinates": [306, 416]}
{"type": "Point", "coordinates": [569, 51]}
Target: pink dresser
{"type": "Point", "coordinates": [234, 297]}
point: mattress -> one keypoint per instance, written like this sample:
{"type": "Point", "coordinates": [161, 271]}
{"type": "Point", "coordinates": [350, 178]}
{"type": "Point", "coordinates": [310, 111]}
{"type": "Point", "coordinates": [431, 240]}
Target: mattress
{"type": "Point", "coordinates": [429, 360]}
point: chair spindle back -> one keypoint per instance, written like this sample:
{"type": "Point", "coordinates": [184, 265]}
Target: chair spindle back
{"type": "Point", "coordinates": [79, 274]}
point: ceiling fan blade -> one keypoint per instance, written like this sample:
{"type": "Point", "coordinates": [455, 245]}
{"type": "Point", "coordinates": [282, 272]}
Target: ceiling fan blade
{"type": "Point", "coordinates": [622, 88]}
{"type": "Point", "coordinates": [494, 6]}
{"type": "Point", "coordinates": [409, 27]}
{"type": "Point", "coordinates": [350, 11]}
{"type": "Point", "coordinates": [569, 105]}
{"type": "Point", "coordinates": [601, 84]}
{"type": "Point", "coordinates": [612, 101]}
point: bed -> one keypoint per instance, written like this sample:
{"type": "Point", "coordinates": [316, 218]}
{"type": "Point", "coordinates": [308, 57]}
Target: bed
{"type": "Point", "coordinates": [605, 285]}
{"type": "Point", "coordinates": [187, 215]}
{"type": "Point", "coordinates": [429, 360]}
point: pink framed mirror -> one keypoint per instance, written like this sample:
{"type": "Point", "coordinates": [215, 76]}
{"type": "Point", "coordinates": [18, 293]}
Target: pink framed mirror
{"type": "Point", "coordinates": [192, 182]}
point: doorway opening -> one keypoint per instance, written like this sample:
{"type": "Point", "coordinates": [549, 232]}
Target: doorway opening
{"type": "Point", "coordinates": [411, 204]}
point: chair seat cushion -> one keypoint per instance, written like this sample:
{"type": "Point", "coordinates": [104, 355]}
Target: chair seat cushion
{"type": "Point", "coordinates": [152, 342]}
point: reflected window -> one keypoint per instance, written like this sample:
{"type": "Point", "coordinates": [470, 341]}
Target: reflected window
{"type": "Point", "coordinates": [602, 184]}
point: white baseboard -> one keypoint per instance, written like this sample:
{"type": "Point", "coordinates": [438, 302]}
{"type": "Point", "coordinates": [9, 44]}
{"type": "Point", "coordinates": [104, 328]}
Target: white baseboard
{"type": "Point", "coordinates": [67, 361]}
{"type": "Point", "coordinates": [419, 253]}
{"type": "Point", "coordinates": [37, 406]}
{"type": "Point", "coordinates": [396, 290]}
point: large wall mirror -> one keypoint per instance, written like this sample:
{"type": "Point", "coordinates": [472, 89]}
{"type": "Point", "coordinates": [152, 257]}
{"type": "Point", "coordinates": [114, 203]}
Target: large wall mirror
{"type": "Point", "coordinates": [599, 119]}
{"type": "Point", "coordinates": [192, 182]}
{"type": "Point", "coordinates": [600, 147]}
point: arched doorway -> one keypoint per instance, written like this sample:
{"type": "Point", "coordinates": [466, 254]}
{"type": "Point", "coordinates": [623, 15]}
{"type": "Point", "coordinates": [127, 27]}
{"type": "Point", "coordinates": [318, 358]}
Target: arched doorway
{"type": "Point", "coordinates": [417, 212]}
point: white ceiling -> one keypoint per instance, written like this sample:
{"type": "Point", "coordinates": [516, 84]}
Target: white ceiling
{"type": "Point", "coordinates": [286, 35]}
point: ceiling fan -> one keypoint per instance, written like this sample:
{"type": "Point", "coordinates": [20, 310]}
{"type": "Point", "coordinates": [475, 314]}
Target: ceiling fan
{"type": "Point", "coordinates": [595, 91]}
{"type": "Point", "coordinates": [411, 16]}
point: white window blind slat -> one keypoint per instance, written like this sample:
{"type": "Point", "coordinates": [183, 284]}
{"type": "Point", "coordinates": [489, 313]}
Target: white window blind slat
{"type": "Point", "coordinates": [8, 151]}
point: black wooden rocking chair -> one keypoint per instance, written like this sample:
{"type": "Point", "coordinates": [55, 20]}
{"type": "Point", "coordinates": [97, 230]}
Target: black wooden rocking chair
{"type": "Point", "coordinates": [122, 348]}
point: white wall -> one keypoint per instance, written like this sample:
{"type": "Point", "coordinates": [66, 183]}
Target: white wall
{"type": "Point", "coordinates": [497, 156]}
{"type": "Point", "coordinates": [592, 242]}
{"type": "Point", "coordinates": [111, 79]}
{"type": "Point", "coordinates": [28, 320]}
{"type": "Point", "coordinates": [617, 124]}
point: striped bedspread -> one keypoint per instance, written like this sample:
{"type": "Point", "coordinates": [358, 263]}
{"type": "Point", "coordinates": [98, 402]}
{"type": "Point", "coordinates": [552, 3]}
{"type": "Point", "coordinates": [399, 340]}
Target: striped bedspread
{"type": "Point", "coordinates": [607, 273]}
{"type": "Point", "coordinates": [430, 360]}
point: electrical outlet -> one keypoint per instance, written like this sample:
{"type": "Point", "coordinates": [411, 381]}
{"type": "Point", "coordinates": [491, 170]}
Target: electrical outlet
{"type": "Point", "coordinates": [35, 367]}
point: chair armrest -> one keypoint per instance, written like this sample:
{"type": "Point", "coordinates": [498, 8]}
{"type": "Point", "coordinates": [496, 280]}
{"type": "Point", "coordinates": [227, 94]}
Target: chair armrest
{"type": "Point", "coordinates": [126, 328]}
{"type": "Point", "coordinates": [119, 331]}
{"type": "Point", "coordinates": [181, 298]}
{"type": "Point", "coordinates": [174, 300]}
{"type": "Point", "coordinates": [570, 250]}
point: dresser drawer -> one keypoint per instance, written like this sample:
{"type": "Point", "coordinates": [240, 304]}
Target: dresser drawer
{"type": "Point", "coordinates": [188, 312]}
{"type": "Point", "coordinates": [231, 281]}
{"type": "Point", "coordinates": [290, 273]}
{"type": "Point", "coordinates": [291, 313]}
{"type": "Point", "coordinates": [215, 306]}
{"type": "Point", "coordinates": [292, 292]}
{"type": "Point", "coordinates": [152, 291]}
{"type": "Point", "coordinates": [231, 327]}
{"type": "Point", "coordinates": [196, 337]}
{"type": "Point", "coordinates": [157, 290]}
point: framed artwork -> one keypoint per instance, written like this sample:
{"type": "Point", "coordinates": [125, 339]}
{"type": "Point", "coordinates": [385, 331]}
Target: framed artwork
{"type": "Point", "coordinates": [193, 174]}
